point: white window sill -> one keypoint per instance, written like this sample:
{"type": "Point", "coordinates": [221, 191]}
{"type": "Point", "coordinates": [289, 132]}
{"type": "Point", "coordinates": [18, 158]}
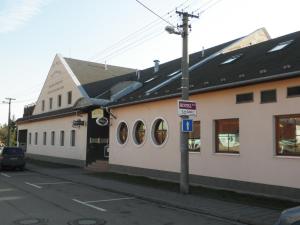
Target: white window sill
{"type": "Point", "coordinates": [286, 157]}
{"type": "Point", "coordinates": [226, 154]}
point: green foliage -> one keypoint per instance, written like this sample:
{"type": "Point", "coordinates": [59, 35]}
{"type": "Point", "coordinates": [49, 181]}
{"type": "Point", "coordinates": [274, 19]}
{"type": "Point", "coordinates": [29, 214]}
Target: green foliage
{"type": "Point", "coordinates": [13, 134]}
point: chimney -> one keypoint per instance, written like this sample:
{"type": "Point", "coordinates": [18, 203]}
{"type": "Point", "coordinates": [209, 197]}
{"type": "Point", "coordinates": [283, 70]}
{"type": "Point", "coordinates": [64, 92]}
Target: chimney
{"type": "Point", "coordinates": [203, 51]}
{"type": "Point", "coordinates": [156, 65]}
{"type": "Point", "coordinates": [138, 74]}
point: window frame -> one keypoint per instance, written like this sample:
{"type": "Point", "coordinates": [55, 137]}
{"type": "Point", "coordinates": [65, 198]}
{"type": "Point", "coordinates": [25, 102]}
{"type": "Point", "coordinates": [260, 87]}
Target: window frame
{"type": "Point", "coordinates": [217, 151]}
{"type": "Point", "coordinates": [69, 98]}
{"type": "Point", "coordinates": [292, 96]}
{"type": "Point", "coordinates": [118, 133]}
{"type": "Point", "coordinates": [29, 138]}
{"type": "Point", "coordinates": [62, 138]}
{"type": "Point", "coordinates": [134, 132]}
{"type": "Point", "coordinates": [44, 138]}
{"type": "Point", "coordinates": [266, 102]}
{"type": "Point", "coordinates": [50, 103]}
{"type": "Point", "coordinates": [242, 102]}
{"type": "Point", "coordinates": [43, 105]}
{"type": "Point", "coordinates": [52, 138]}
{"type": "Point", "coordinates": [277, 134]}
{"type": "Point", "coordinates": [59, 101]}
{"type": "Point", "coordinates": [72, 138]}
{"type": "Point", "coordinates": [193, 151]}
{"type": "Point", "coordinates": [36, 138]}
{"type": "Point", "coordinates": [153, 139]}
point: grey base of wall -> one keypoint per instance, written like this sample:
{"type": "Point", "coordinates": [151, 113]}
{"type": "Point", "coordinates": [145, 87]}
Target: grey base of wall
{"type": "Point", "coordinates": [278, 192]}
{"type": "Point", "coordinates": [65, 161]}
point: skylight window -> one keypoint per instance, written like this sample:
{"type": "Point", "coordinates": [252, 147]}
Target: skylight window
{"type": "Point", "coordinates": [151, 79]}
{"type": "Point", "coordinates": [232, 59]}
{"type": "Point", "coordinates": [281, 45]}
{"type": "Point", "coordinates": [174, 73]}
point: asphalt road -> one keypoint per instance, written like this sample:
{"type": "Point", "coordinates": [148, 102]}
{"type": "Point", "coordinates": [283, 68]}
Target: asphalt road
{"type": "Point", "coordinates": [27, 197]}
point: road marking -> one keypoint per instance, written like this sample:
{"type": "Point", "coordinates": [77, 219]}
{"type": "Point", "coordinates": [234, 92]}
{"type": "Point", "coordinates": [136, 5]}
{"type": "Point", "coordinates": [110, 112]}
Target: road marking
{"type": "Point", "coordinates": [53, 183]}
{"type": "Point", "coordinates": [109, 200]}
{"type": "Point", "coordinates": [10, 198]}
{"type": "Point", "coordinates": [33, 185]}
{"type": "Point", "coordinates": [89, 205]}
{"type": "Point", "coordinates": [4, 174]}
{"type": "Point", "coordinates": [6, 189]}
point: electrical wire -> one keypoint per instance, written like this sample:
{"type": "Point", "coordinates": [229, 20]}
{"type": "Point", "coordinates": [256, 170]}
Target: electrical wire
{"type": "Point", "coordinates": [155, 13]}
{"type": "Point", "coordinates": [135, 34]}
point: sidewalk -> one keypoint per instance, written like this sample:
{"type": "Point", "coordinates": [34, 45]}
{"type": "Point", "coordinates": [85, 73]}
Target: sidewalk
{"type": "Point", "coordinates": [243, 213]}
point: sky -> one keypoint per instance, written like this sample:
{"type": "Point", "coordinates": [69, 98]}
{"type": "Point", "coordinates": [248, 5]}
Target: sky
{"type": "Point", "coordinates": [118, 32]}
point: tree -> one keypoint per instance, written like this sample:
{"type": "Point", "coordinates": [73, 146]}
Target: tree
{"type": "Point", "coordinates": [13, 133]}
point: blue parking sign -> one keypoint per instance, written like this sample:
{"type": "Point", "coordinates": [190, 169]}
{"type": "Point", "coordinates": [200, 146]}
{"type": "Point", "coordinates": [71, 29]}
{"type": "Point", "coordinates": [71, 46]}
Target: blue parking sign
{"type": "Point", "coordinates": [187, 125]}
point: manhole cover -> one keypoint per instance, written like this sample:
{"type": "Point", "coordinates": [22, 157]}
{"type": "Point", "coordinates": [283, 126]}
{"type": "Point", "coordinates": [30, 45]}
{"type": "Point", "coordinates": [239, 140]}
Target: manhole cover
{"type": "Point", "coordinates": [88, 221]}
{"type": "Point", "coordinates": [31, 221]}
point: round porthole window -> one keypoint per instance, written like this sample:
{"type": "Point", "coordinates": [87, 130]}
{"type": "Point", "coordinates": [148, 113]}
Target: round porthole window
{"type": "Point", "coordinates": [159, 131]}
{"type": "Point", "coordinates": [139, 131]}
{"type": "Point", "coordinates": [122, 134]}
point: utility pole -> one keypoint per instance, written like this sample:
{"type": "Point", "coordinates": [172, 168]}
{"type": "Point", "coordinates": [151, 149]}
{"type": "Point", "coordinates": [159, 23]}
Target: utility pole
{"type": "Point", "coordinates": [184, 152]}
{"type": "Point", "coordinates": [8, 124]}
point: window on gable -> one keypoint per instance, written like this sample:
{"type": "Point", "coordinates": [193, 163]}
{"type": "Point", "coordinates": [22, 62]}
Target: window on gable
{"type": "Point", "coordinates": [280, 46]}
{"type": "Point", "coordinates": [59, 100]}
{"type": "Point", "coordinates": [70, 97]}
{"type": "Point", "coordinates": [43, 105]}
{"type": "Point", "coordinates": [50, 103]}
{"type": "Point", "coordinates": [231, 59]}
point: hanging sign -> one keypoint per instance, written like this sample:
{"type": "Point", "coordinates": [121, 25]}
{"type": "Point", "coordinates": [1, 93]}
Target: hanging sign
{"type": "Point", "coordinates": [97, 113]}
{"type": "Point", "coordinates": [103, 121]}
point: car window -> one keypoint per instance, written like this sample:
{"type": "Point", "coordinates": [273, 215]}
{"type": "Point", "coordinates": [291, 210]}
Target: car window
{"type": "Point", "coordinates": [12, 151]}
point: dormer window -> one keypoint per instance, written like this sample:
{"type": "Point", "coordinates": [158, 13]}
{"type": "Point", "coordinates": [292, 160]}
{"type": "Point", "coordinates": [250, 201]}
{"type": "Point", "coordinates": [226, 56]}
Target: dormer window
{"type": "Point", "coordinates": [281, 45]}
{"type": "Point", "coordinates": [232, 59]}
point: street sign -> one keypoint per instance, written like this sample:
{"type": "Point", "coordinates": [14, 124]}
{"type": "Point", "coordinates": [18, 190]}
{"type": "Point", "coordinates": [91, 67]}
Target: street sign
{"type": "Point", "coordinates": [186, 108]}
{"type": "Point", "coordinates": [187, 125]}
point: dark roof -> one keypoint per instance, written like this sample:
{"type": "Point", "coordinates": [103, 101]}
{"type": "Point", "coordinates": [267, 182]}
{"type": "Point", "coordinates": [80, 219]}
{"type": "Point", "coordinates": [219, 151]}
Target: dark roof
{"type": "Point", "coordinates": [91, 72]}
{"type": "Point", "coordinates": [256, 64]}
{"type": "Point", "coordinates": [48, 115]}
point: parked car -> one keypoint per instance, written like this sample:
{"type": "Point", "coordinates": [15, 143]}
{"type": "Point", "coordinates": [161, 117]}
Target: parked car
{"type": "Point", "coordinates": [12, 157]}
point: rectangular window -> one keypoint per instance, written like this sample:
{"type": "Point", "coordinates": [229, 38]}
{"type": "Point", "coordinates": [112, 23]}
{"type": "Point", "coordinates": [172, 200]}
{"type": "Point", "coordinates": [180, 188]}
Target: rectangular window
{"type": "Point", "coordinates": [72, 138]}
{"type": "Point", "coordinates": [288, 135]}
{"type": "Point", "coordinates": [227, 136]}
{"type": "Point", "coordinates": [45, 138]}
{"type": "Point", "coordinates": [59, 101]}
{"type": "Point", "coordinates": [70, 97]}
{"type": "Point", "coordinates": [35, 138]}
{"type": "Point", "coordinates": [29, 138]}
{"type": "Point", "coordinates": [62, 138]}
{"type": "Point", "coordinates": [268, 96]}
{"type": "Point", "coordinates": [194, 141]}
{"type": "Point", "coordinates": [244, 98]}
{"type": "Point", "coordinates": [293, 91]}
{"type": "Point", "coordinates": [53, 138]}
{"type": "Point", "coordinates": [43, 105]}
{"type": "Point", "coordinates": [50, 103]}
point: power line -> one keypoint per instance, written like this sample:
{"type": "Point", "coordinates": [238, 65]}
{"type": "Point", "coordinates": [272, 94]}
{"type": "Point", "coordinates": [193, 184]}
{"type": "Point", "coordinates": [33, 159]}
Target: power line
{"type": "Point", "coordinates": [154, 13]}
{"type": "Point", "coordinates": [135, 34]}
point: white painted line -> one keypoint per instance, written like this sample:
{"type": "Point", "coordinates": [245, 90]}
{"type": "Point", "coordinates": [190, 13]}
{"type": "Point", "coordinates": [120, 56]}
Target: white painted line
{"type": "Point", "coordinates": [10, 198]}
{"type": "Point", "coordinates": [6, 189]}
{"type": "Point", "coordinates": [33, 185]}
{"type": "Point", "coordinates": [110, 200]}
{"type": "Point", "coordinates": [4, 174]}
{"type": "Point", "coordinates": [89, 205]}
{"type": "Point", "coordinates": [53, 183]}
